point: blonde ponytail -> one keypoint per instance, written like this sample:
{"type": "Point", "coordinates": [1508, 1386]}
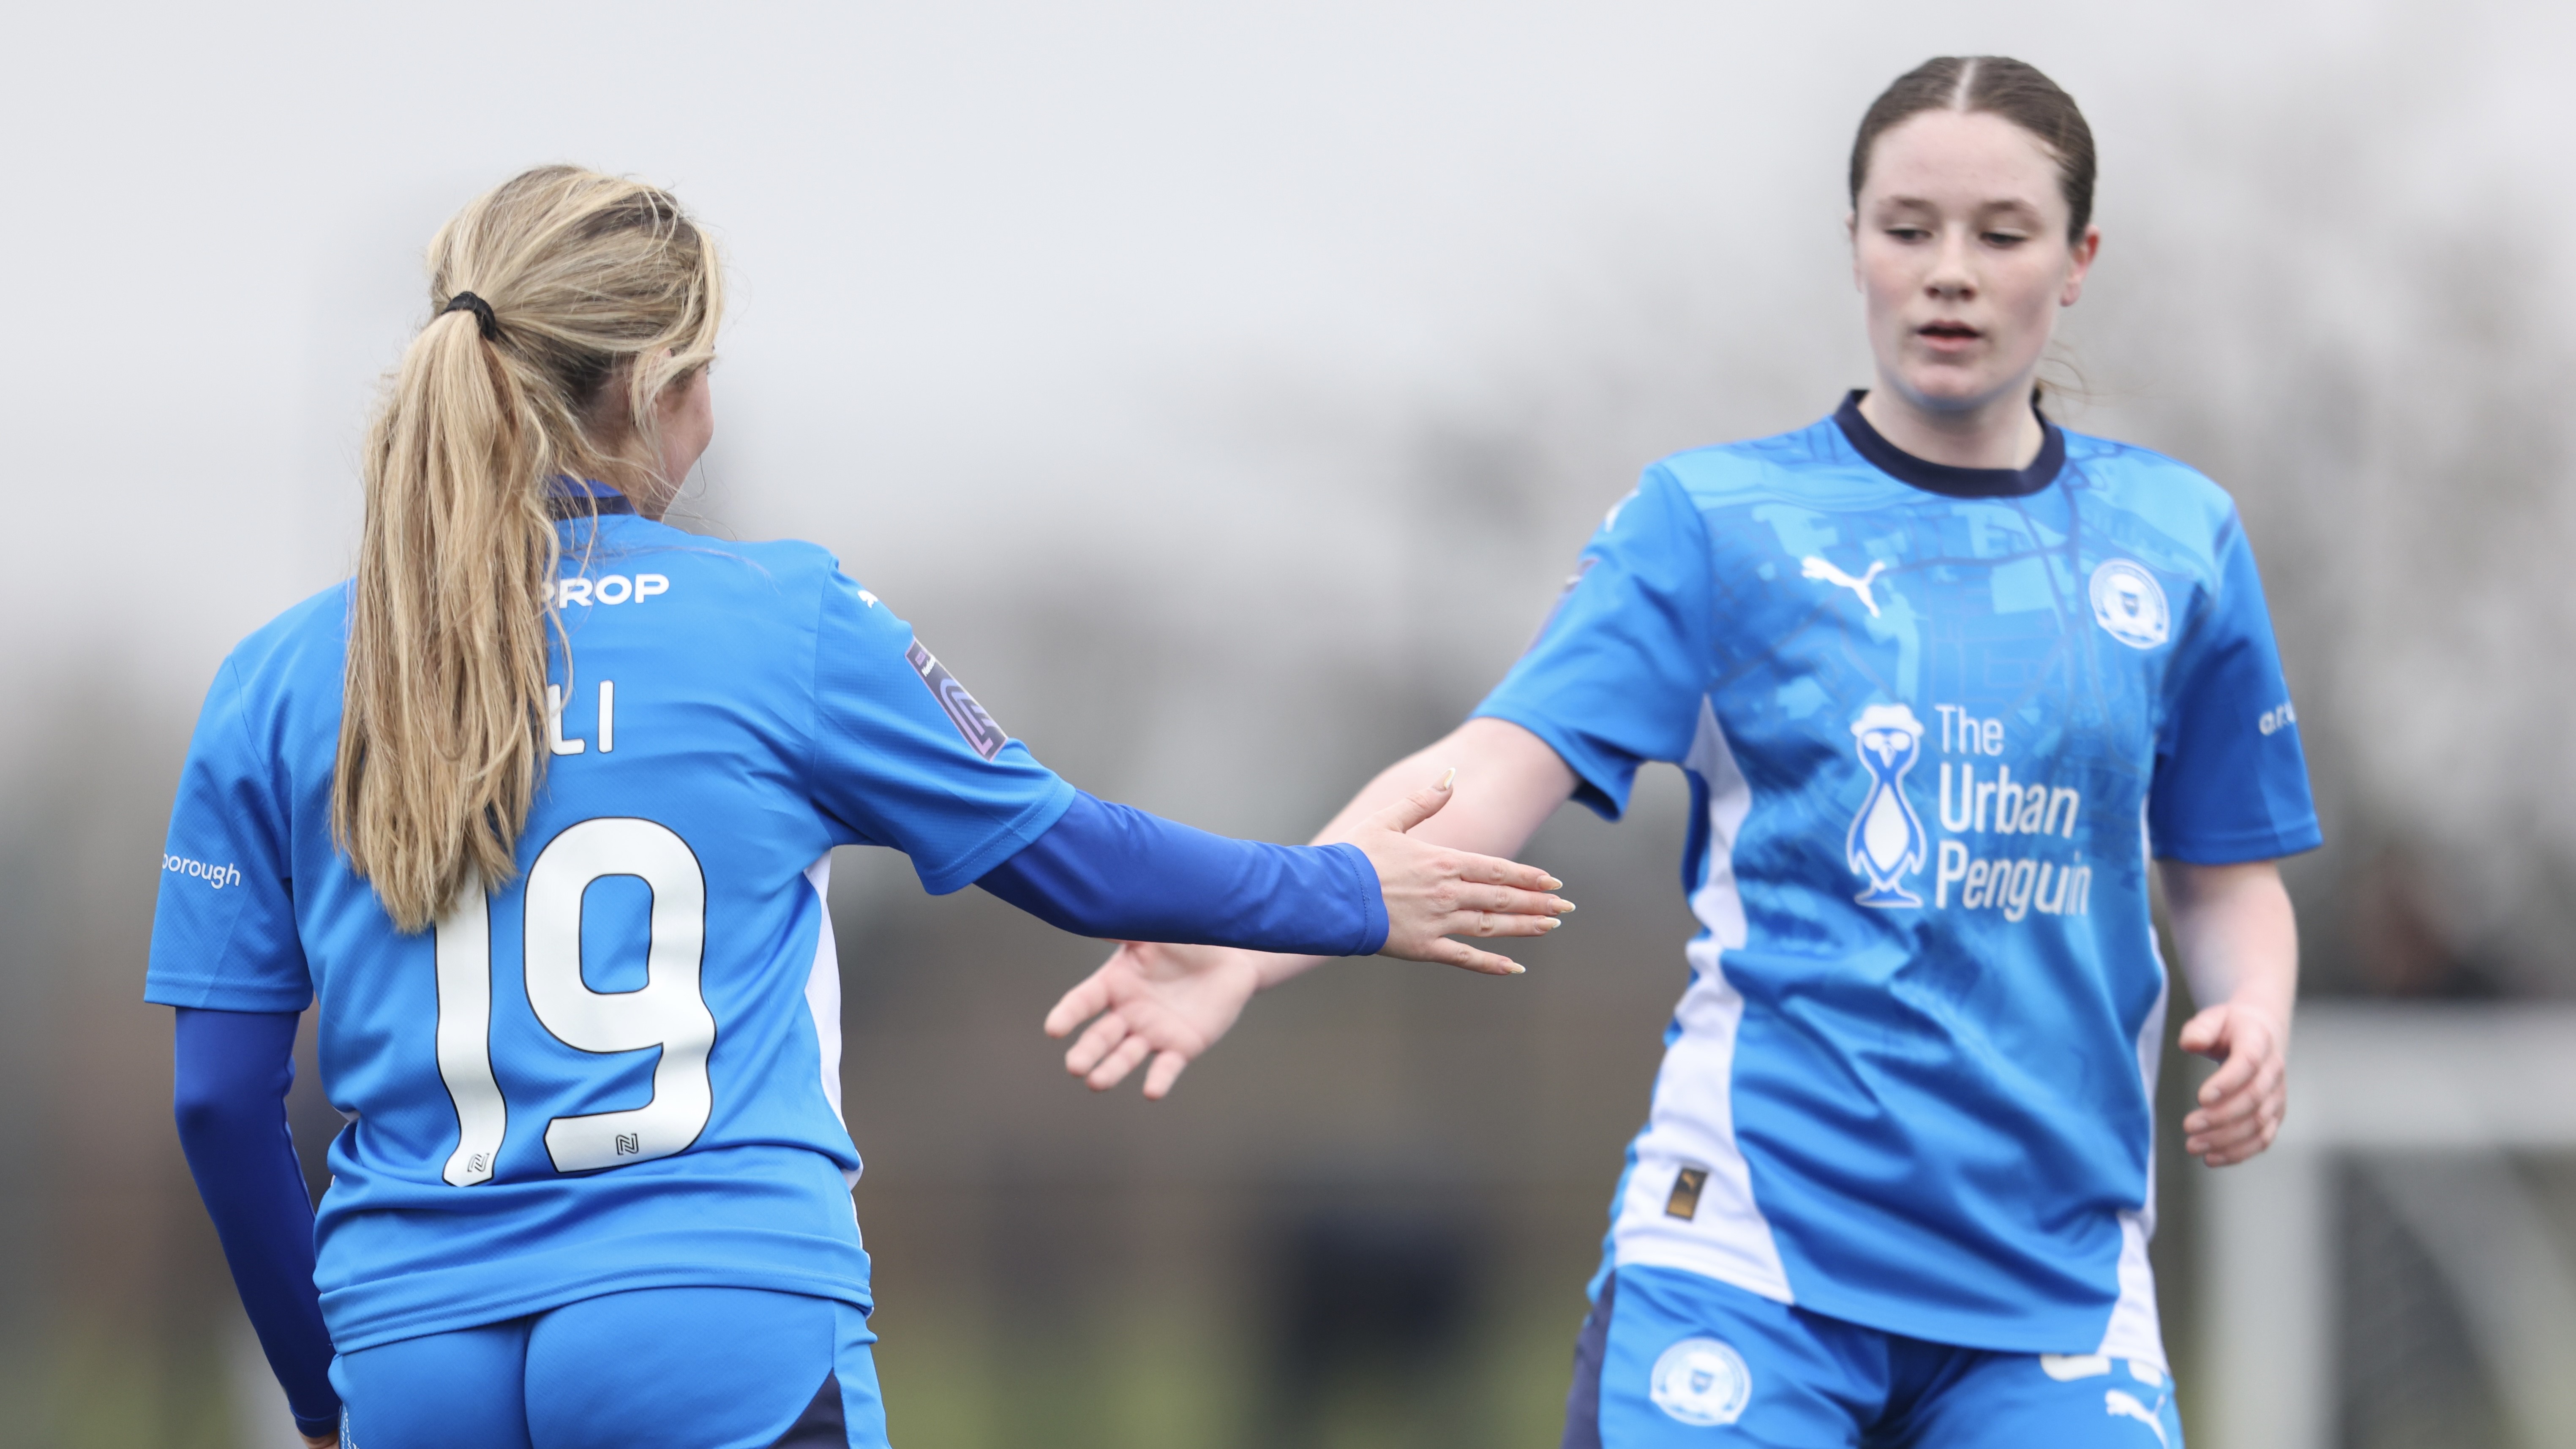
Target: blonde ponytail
{"type": "Point", "coordinates": [596, 294]}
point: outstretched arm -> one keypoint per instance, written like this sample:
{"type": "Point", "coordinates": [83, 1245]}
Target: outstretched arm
{"type": "Point", "coordinates": [1111, 871]}
{"type": "Point", "coordinates": [2239, 944]}
{"type": "Point", "coordinates": [1170, 1003]}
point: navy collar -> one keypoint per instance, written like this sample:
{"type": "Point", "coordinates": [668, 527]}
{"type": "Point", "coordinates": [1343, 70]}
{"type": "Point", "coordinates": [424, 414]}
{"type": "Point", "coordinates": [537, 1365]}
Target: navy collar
{"type": "Point", "coordinates": [1944, 478]}
{"type": "Point", "coordinates": [584, 498]}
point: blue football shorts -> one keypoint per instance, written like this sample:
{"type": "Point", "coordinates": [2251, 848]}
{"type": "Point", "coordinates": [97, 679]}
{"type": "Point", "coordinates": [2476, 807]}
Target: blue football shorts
{"type": "Point", "coordinates": [1674, 1360]}
{"type": "Point", "coordinates": [657, 1368]}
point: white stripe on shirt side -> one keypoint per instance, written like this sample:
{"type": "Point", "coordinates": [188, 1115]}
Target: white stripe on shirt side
{"type": "Point", "coordinates": [1692, 1123]}
{"type": "Point", "coordinates": [2135, 1331]}
{"type": "Point", "coordinates": [823, 996]}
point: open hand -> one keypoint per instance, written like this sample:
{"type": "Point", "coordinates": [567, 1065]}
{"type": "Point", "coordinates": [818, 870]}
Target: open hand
{"type": "Point", "coordinates": [1434, 892]}
{"type": "Point", "coordinates": [1169, 1003]}
{"type": "Point", "coordinates": [2241, 1105]}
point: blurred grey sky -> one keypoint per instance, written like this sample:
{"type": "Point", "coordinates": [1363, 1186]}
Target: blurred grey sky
{"type": "Point", "coordinates": [1296, 347]}
{"type": "Point", "coordinates": [1017, 276]}
{"type": "Point", "coordinates": [1223, 391]}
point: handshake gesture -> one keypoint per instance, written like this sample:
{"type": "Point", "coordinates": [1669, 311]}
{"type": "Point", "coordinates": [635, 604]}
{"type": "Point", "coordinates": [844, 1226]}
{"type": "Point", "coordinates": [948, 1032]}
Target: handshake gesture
{"type": "Point", "coordinates": [1168, 1003]}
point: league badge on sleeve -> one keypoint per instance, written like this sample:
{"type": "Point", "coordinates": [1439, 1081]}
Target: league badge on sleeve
{"type": "Point", "coordinates": [984, 736]}
{"type": "Point", "coordinates": [2130, 605]}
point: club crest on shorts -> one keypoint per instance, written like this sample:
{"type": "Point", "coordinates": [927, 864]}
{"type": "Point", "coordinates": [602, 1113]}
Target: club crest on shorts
{"type": "Point", "coordinates": [1701, 1381]}
{"type": "Point", "coordinates": [1886, 840]}
{"type": "Point", "coordinates": [2130, 605]}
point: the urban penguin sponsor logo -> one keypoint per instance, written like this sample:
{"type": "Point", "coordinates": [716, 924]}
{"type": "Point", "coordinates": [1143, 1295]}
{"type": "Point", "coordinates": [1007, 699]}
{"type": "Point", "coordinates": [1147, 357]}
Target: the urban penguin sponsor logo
{"type": "Point", "coordinates": [1886, 839]}
{"type": "Point", "coordinates": [2130, 605]}
{"type": "Point", "coordinates": [218, 876]}
{"type": "Point", "coordinates": [1701, 1381]}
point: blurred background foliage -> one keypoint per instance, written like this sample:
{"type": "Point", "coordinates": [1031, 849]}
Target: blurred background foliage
{"type": "Point", "coordinates": [1224, 394]}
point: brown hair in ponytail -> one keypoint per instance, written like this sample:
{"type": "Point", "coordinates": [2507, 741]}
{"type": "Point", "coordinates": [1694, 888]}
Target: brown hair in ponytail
{"type": "Point", "coordinates": [601, 294]}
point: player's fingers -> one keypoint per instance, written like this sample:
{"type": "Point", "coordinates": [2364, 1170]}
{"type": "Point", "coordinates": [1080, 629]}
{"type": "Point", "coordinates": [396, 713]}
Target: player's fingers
{"type": "Point", "coordinates": [1484, 924]}
{"type": "Point", "coordinates": [1078, 1005]}
{"type": "Point", "coordinates": [2235, 1106]}
{"type": "Point", "coordinates": [2200, 1035]}
{"type": "Point", "coordinates": [1445, 952]}
{"type": "Point", "coordinates": [2234, 1144]}
{"type": "Point", "coordinates": [1165, 1071]}
{"type": "Point", "coordinates": [2224, 1128]}
{"type": "Point", "coordinates": [1417, 807]}
{"type": "Point", "coordinates": [1129, 1055]}
{"type": "Point", "coordinates": [2238, 1113]}
{"type": "Point", "coordinates": [1505, 898]}
{"type": "Point", "coordinates": [2233, 1075]}
{"type": "Point", "coordinates": [1096, 1043]}
{"type": "Point", "coordinates": [2244, 1097]}
{"type": "Point", "coordinates": [1494, 870]}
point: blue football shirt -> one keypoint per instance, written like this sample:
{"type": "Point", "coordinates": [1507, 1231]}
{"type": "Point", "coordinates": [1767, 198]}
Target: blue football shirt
{"type": "Point", "coordinates": [1935, 722]}
{"type": "Point", "coordinates": [621, 1070]}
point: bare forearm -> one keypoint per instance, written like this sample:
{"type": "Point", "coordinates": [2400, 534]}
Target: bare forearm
{"type": "Point", "coordinates": [2236, 935]}
{"type": "Point", "coordinates": [1509, 782]}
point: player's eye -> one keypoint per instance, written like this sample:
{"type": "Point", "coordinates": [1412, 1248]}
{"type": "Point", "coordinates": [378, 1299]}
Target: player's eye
{"type": "Point", "coordinates": [2005, 238]}
{"type": "Point", "coordinates": [1908, 233]}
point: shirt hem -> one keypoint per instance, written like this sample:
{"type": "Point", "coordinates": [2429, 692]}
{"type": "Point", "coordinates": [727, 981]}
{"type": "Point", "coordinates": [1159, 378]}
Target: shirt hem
{"type": "Point", "coordinates": [382, 1328]}
{"type": "Point", "coordinates": [1002, 844]}
{"type": "Point", "coordinates": [202, 995]}
{"type": "Point", "coordinates": [2243, 848]}
{"type": "Point", "coordinates": [1590, 788]}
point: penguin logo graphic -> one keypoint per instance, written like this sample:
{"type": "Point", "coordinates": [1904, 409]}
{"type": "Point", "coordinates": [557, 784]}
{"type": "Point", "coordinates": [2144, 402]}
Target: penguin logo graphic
{"type": "Point", "coordinates": [1886, 839]}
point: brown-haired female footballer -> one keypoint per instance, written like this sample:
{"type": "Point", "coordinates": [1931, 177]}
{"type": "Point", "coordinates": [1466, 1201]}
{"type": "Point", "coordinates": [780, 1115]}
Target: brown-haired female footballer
{"type": "Point", "coordinates": [1944, 678]}
{"type": "Point", "coordinates": [538, 813]}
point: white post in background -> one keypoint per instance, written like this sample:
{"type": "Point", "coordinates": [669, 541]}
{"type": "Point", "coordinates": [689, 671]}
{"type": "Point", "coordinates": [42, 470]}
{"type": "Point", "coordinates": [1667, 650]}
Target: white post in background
{"type": "Point", "coordinates": [2385, 1078]}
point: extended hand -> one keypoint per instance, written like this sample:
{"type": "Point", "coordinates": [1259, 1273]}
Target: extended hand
{"type": "Point", "coordinates": [1433, 892]}
{"type": "Point", "coordinates": [2242, 1103]}
{"type": "Point", "coordinates": [1167, 1002]}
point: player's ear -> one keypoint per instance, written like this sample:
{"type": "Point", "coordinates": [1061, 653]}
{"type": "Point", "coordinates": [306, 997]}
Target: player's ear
{"type": "Point", "coordinates": [2085, 249]}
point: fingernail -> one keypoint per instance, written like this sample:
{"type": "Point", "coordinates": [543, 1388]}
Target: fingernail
{"type": "Point", "coordinates": [1550, 924]}
{"type": "Point", "coordinates": [1550, 883]}
{"type": "Point", "coordinates": [1519, 969]}
{"type": "Point", "coordinates": [1449, 779]}
{"type": "Point", "coordinates": [1564, 907]}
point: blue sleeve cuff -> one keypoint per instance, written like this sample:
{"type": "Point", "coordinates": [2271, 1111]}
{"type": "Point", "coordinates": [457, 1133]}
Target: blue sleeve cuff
{"type": "Point", "coordinates": [1121, 874]}
{"type": "Point", "coordinates": [1371, 893]}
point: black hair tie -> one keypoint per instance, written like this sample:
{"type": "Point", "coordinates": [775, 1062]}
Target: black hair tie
{"type": "Point", "coordinates": [482, 310]}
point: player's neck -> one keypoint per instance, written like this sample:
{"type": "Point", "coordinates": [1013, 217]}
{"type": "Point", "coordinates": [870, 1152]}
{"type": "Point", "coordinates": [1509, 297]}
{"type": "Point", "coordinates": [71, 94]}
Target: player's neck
{"type": "Point", "coordinates": [2002, 432]}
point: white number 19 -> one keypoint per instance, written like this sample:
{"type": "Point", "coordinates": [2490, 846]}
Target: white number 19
{"type": "Point", "coordinates": [669, 1011]}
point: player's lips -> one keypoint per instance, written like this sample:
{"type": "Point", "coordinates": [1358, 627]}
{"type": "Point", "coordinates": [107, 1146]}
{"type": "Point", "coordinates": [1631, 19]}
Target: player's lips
{"type": "Point", "coordinates": [1949, 336]}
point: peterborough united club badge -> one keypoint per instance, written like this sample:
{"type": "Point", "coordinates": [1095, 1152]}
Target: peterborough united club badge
{"type": "Point", "coordinates": [1702, 1381]}
{"type": "Point", "coordinates": [2130, 605]}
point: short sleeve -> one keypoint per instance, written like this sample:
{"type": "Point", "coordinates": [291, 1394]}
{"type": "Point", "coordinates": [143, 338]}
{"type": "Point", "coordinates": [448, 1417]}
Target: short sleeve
{"type": "Point", "coordinates": [223, 933]}
{"type": "Point", "coordinates": [1616, 675]}
{"type": "Point", "coordinates": [2231, 782]}
{"type": "Point", "coordinates": [905, 757]}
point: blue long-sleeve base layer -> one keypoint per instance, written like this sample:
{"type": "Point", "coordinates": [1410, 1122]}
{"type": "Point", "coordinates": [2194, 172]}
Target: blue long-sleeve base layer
{"type": "Point", "coordinates": [1102, 870]}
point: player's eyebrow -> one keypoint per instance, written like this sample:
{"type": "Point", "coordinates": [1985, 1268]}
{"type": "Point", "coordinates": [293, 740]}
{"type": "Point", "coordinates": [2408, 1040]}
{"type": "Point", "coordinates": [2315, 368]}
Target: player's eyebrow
{"type": "Point", "coordinates": [1982, 208]}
